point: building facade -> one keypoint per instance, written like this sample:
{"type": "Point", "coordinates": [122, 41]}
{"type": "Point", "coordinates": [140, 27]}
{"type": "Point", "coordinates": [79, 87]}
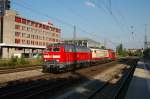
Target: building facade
{"type": "Point", "coordinates": [23, 36]}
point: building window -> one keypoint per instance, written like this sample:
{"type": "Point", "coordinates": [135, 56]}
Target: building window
{"type": "Point", "coordinates": [23, 41]}
{"type": "Point", "coordinates": [40, 43]}
{"type": "Point", "coordinates": [32, 42]}
{"type": "Point", "coordinates": [32, 36]}
{"type": "Point", "coordinates": [18, 49]}
{"type": "Point", "coordinates": [52, 29]}
{"type": "Point", "coordinates": [17, 27]}
{"type": "Point", "coordinates": [24, 21]}
{"type": "Point", "coordinates": [58, 30]}
{"type": "Point", "coordinates": [36, 24]}
{"type": "Point", "coordinates": [23, 28]}
{"type": "Point", "coordinates": [17, 34]}
{"type": "Point", "coordinates": [28, 22]}
{"type": "Point", "coordinates": [28, 41]}
{"type": "Point", "coordinates": [44, 26]}
{"type": "Point", "coordinates": [17, 41]}
{"type": "Point", "coordinates": [46, 43]}
{"type": "Point", "coordinates": [17, 19]}
{"type": "Point", "coordinates": [43, 43]}
{"type": "Point", "coordinates": [47, 28]}
{"type": "Point", "coordinates": [24, 35]}
{"type": "Point", "coordinates": [53, 34]}
{"type": "Point", "coordinates": [56, 40]}
{"type": "Point", "coordinates": [32, 24]}
{"type": "Point", "coordinates": [40, 25]}
{"type": "Point", "coordinates": [49, 39]}
{"type": "Point", "coordinates": [53, 40]}
{"type": "Point", "coordinates": [28, 36]}
{"type": "Point", "coordinates": [56, 35]}
{"type": "Point", "coordinates": [43, 38]}
{"type": "Point", "coordinates": [28, 29]}
{"type": "Point", "coordinates": [36, 42]}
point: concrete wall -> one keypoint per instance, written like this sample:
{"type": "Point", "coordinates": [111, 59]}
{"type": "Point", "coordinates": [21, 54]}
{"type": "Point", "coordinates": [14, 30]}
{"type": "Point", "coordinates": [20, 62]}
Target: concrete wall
{"type": "Point", "coordinates": [8, 28]}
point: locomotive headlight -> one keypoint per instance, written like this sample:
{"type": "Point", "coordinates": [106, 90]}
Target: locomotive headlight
{"type": "Point", "coordinates": [57, 60]}
{"type": "Point", "coordinates": [47, 56]}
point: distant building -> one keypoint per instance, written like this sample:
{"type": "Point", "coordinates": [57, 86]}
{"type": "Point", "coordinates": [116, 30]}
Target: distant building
{"type": "Point", "coordinates": [19, 35]}
{"type": "Point", "coordinates": [83, 42]}
{"type": "Point", "coordinates": [135, 50]}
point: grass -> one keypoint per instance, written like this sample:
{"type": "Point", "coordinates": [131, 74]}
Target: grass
{"type": "Point", "coordinates": [15, 62]}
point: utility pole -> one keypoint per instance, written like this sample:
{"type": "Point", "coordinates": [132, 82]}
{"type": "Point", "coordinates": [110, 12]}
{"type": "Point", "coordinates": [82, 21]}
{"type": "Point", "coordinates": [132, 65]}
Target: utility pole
{"type": "Point", "coordinates": [75, 55]}
{"type": "Point", "coordinates": [105, 43]}
{"type": "Point", "coordinates": [74, 34]}
{"type": "Point", "coordinates": [145, 38]}
{"type": "Point", "coordinates": [132, 32]}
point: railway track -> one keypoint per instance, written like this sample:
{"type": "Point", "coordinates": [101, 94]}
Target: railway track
{"type": "Point", "coordinates": [54, 82]}
{"type": "Point", "coordinates": [112, 88]}
{"type": "Point", "coordinates": [47, 82]}
{"type": "Point", "coordinates": [11, 91]}
{"type": "Point", "coordinates": [19, 69]}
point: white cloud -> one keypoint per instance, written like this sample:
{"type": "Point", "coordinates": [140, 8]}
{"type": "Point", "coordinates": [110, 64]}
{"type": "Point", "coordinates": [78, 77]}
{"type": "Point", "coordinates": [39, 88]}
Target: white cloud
{"type": "Point", "coordinates": [90, 4]}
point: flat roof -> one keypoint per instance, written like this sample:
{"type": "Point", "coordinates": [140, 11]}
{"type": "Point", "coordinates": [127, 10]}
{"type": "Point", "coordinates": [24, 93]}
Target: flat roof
{"type": "Point", "coordinates": [77, 39]}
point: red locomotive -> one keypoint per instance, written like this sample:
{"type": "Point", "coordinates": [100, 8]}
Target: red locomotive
{"type": "Point", "coordinates": [63, 57]}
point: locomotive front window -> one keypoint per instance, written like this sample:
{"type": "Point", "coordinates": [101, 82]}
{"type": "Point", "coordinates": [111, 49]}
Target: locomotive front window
{"type": "Point", "coordinates": [56, 49]}
{"type": "Point", "coordinates": [49, 49]}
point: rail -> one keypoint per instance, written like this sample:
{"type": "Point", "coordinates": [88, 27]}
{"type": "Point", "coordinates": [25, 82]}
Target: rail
{"type": "Point", "coordinates": [122, 84]}
{"type": "Point", "coordinates": [19, 69]}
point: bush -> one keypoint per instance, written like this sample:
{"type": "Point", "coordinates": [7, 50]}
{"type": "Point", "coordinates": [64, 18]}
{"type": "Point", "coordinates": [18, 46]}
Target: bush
{"type": "Point", "coordinates": [17, 62]}
{"type": "Point", "coordinates": [22, 61]}
{"type": "Point", "coordinates": [38, 61]}
{"type": "Point", "coordinates": [13, 61]}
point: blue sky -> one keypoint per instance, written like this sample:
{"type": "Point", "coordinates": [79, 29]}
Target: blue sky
{"type": "Point", "coordinates": [100, 20]}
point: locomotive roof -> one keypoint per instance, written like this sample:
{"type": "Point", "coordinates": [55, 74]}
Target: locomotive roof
{"type": "Point", "coordinates": [100, 49]}
{"type": "Point", "coordinates": [59, 44]}
{"type": "Point", "coordinates": [64, 44]}
{"type": "Point", "coordinates": [67, 46]}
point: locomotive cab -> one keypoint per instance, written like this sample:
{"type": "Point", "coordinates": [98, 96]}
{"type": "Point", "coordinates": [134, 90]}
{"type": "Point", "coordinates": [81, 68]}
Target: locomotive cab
{"type": "Point", "coordinates": [52, 58]}
{"type": "Point", "coordinates": [52, 54]}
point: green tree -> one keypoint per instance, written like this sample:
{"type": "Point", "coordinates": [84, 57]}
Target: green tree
{"type": "Point", "coordinates": [103, 47]}
{"type": "Point", "coordinates": [120, 50]}
{"type": "Point", "coordinates": [146, 53]}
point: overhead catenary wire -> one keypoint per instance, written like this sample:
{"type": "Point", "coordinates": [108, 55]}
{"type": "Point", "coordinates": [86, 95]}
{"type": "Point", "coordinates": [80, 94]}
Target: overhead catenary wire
{"type": "Point", "coordinates": [25, 5]}
{"type": "Point", "coordinates": [77, 14]}
{"type": "Point", "coordinates": [43, 14]}
{"type": "Point", "coordinates": [108, 10]}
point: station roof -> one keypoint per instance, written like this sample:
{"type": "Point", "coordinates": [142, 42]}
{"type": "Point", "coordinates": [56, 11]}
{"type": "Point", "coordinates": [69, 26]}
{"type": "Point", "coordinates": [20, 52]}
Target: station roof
{"type": "Point", "coordinates": [21, 46]}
